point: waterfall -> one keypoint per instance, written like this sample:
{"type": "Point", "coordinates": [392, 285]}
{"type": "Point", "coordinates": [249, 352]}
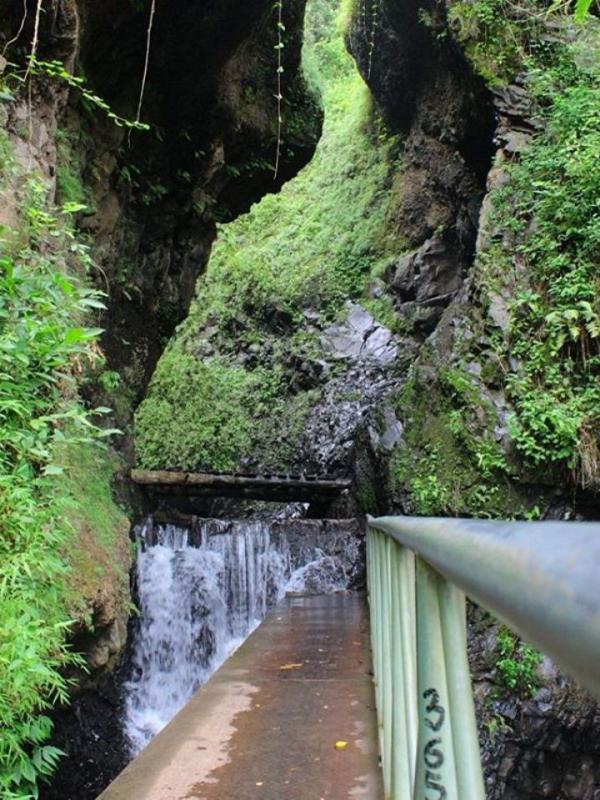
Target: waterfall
{"type": "Point", "coordinates": [201, 592]}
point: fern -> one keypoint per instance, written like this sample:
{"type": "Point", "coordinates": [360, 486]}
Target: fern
{"type": "Point", "coordinates": [582, 9]}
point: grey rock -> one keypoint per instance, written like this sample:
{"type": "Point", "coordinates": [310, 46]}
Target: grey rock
{"type": "Point", "coordinates": [392, 435]}
{"type": "Point", "coordinates": [359, 319]}
{"type": "Point", "coordinates": [516, 141]}
{"type": "Point", "coordinates": [498, 311]}
{"type": "Point", "coordinates": [428, 274]}
{"type": "Point", "coordinates": [380, 346]}
{"type": "Point", "coordinates": [360, 338]}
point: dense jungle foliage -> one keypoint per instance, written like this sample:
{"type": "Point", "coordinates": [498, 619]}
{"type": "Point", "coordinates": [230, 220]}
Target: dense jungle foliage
{"type": "Point", "coordinates": [54, 468]}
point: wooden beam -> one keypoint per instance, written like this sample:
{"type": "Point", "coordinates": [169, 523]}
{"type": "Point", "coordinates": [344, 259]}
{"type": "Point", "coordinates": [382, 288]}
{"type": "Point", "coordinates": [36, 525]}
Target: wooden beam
{"type": "Point", "coordinates": [255, 486]}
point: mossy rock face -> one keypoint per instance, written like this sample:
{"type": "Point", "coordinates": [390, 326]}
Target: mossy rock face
{"type": "Point", "coordinates": [251, 381]}
{"type": "Point", "coordinates": [503, 397]}
{"type": "Point", "coordinates": [449, 461]}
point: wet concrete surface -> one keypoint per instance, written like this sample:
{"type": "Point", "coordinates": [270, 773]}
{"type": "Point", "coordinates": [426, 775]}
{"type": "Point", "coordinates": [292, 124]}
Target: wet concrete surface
{"type": "Point", "coordinates": [265, 727]}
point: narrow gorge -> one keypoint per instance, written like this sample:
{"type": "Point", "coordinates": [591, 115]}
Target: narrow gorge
{"type": "Point", "coordinates": [351, 243]}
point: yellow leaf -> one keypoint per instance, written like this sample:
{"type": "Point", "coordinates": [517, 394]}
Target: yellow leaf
{"type": "Point", "coordinates": [291, 666]}
{"type": "Point", "coordinates": [341, 745]}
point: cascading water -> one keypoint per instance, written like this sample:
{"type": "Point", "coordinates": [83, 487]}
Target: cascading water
{"type": "Point", "coordinates": [201, 594]}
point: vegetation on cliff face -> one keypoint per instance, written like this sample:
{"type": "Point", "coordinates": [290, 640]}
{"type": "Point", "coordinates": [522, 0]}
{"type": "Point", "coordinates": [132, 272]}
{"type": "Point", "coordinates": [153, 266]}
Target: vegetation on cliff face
{"type": "Point", "coordinates": [512, 393]}
{"type": "Point", "coordinates": [550, 209]}
{"type": "Point", "coordinates": [46, 436]}
{"type": "Point", "coordinates": [223, 390]}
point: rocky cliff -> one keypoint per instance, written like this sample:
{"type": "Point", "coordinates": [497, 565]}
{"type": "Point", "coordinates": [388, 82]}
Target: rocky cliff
{"type": "Point", "coordinates": [419, 355]}
{"type": "Point", "coordinates": [120, 215]}
{"type": "Point", "coordinates": [489, 427]}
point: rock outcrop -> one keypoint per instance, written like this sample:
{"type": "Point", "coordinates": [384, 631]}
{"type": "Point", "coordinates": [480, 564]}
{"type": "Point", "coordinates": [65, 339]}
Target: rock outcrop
{"type": "Point", "coordinates": [155, 196]}
{"type": "Point", "coordinates": [457, 453]}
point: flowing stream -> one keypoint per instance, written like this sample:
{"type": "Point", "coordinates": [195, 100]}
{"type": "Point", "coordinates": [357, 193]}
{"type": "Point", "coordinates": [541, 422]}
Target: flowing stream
{"type": "Point", "coordinates": [200, 594]}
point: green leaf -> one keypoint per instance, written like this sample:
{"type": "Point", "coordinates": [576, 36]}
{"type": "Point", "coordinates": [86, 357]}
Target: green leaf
{"type": "Point", "coordinates": [74, 335]}
{"type": "Point", "coordinates": [582, 9]}
{"type": "Point", "coordinates": [53, 469]}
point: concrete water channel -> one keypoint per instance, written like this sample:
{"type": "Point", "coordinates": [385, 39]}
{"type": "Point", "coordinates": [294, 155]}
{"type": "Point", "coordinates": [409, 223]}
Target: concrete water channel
{"type": "Point", "coordinates": [290, 716]}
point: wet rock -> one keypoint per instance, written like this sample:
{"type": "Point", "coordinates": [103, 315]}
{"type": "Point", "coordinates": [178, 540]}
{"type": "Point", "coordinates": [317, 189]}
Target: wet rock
{"type": "Point", "coordinates": [427, 273]}
{"type": "Point", "coordinates": [544, 746]}
{"type": "Point", "coordinates": [108, 646]}
{"type": "Point", "coordinates": [360, 338]}
{"type": "Point", "coordinates": [392, 434]}
{"type": "Point", "coordinates": [498, 311]}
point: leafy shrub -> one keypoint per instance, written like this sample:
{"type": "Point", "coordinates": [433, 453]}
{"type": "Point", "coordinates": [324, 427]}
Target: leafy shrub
{"type": "Point", "coordinates": [518, 663]}
{"type": "Point", "coordinates": [44, 346]}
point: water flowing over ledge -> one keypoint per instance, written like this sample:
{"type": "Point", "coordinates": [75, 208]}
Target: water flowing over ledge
{"type": "Point", "coordinates": [202, 590]}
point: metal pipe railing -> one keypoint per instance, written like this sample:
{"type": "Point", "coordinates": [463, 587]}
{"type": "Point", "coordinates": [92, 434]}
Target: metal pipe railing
{"type": "Point", "coordinates": [427, 733]}
{"type": "Point", "coordinates": [540, 578]}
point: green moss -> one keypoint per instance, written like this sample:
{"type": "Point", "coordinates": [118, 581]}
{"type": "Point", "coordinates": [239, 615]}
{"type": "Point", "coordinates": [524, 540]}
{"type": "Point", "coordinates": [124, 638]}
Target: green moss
{"type": "Point", "coordinates": [213, 414]}
{"type": "Point", "coordinates": [323, 239]}
{"type": "Point", "coordinates": [348, 10]}
{"type": "Point", "coordinates": [70, 187]}
{"type": "Point", "coordinates": [6, 157]}
{"type": "Point", "coordinates": [449, 462]}
{"type": "Point", "coordinates": [97, 529]}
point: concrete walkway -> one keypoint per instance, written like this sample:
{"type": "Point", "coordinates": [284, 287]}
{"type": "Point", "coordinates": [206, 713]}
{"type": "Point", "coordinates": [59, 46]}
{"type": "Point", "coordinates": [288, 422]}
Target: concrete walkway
{"type": "Point", "coordinates": [265, 726]}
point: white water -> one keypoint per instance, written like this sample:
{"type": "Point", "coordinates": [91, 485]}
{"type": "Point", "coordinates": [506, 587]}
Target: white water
{"type": "Point", "coordinates": [198, 604]}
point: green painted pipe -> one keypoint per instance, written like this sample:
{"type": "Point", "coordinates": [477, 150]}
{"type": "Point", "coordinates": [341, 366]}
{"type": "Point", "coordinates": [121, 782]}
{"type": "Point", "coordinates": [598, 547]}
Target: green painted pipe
{"type": "Point", "coordinates": [427, 733]}
{"type": "Point", "coordinates": [541, 578]}
{"type": "Point", "coordinates": [436, 768]}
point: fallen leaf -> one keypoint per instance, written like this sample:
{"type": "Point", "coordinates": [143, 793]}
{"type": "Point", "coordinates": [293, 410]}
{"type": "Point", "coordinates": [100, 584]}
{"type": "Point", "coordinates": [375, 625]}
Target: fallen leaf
{"type": "Point", "coordinates": [291, 666]}
{"type": "Point", "coordinates": [341, 745]}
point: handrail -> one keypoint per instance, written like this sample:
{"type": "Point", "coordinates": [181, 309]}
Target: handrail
{"type": "Point", "coordinates": [540, 578]}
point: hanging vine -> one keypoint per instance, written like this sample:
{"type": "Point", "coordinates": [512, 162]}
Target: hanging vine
{"type": "Point", "coordinates": [56, 69]}
{"type": "Point", "coordinates": [279, 96]}
{"type": "Point", "coordinates": [20, 30]}
{"type": "Point", "coordinates": [372, 32]}
{"type": "Point", "coordinates": [146, 61]}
